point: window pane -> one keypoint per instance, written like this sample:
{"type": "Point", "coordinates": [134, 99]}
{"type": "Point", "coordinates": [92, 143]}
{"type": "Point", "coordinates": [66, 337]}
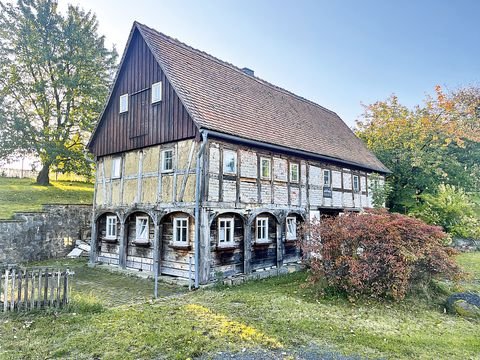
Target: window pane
{"type": "Point", "coordinates": [184, 234]}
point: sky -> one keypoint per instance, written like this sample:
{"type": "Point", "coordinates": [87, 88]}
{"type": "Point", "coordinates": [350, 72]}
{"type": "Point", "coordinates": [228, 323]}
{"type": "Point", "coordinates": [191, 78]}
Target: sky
{"type": "Point", "coordinates": [339, 54]}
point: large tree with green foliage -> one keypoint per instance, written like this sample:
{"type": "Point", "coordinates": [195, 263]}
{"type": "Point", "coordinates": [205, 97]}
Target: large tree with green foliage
{"type": "Point", "coordinates": [55, 72]}
{"type": "Point", "coordinates": [438, 142]}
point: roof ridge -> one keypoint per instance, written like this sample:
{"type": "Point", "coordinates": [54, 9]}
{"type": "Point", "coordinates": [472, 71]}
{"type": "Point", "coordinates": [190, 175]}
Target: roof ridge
{"type": "Point", "coordinates": [233, 67]}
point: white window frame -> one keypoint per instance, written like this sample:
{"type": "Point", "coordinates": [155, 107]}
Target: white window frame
{"type": "Point", "coordinates": [123, 105]}
{"type": "Point", "coordinates": [157, 87]}
{"type": "Point", "coordinates": [230, 228]}
{"type": "Point", "coordinates": [356, 188]}
{"type": "Point", "coordinates": [109, 226]}
{"type": "Point", "coordinates": [180, 241]}
{"type": "Point", "coordinates": [233, 153]}
{"type": "Point", "coordinates": [262, 159]}
{"type": "Point", "coordinates": [292, 165]}
{"type": "Point", "coordinates": [264, 238]}
{"type": "Point", "coordinates": [138, 236]}
{"type": "Point", "coordinates": [164, 152]}
{"type": "Point", "coordinates": [288, 234]}
{"type": "Point", "coordinates": [325, 171]}
{"type": "Point", "coordinates": [116, 160]}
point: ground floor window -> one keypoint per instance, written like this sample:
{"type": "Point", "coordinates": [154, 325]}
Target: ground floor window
{"type": "Point", "coordinates": [291, 228]}
{"type": "Point", "coordinates": [262, 229]}
{"type": "Point", "coordinates": [111, 231]}
{"type": "Point", "coordinates": [141, 230]}
{"type": "Point", "coordinates": [180, 230]}
{"type": "Point", "coordinates": [225, 231]}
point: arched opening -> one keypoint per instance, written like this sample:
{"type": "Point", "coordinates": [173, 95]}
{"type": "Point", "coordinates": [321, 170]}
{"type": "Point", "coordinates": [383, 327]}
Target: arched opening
{"type": "Point", "coordinates": [177, 244]}
{"type": "Point", "coordinates": [264, 241]}
{"type": "Point", "coordinates": [139, 238]}
{"type": "Point", "coordinates": [292, 250]}
{"type": "Point", "coordinates": [108, 231]}
{"type": "Point", "coordinates": [227, 244]}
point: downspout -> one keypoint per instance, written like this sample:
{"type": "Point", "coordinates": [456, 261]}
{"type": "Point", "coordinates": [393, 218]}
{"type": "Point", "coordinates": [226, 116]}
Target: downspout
{"type": "Point", "coordinates": [198, 199]}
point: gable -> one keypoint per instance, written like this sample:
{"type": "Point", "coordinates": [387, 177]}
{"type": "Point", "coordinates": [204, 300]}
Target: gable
{"type": "Point", "coordinates": [144, 124]}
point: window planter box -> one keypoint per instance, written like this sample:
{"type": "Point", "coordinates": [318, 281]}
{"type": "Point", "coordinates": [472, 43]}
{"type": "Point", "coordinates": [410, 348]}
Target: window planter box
{"type": "Point", "coordinates": [178, 246]}
{"type": "Point", "coordinates": [110, 240]}
{"type": "Point", "coordinates": [145, 243]}
{"type": "Point", "coordinates": [262, 242]}
{"type": "Point", "coordinates": [226, 247]}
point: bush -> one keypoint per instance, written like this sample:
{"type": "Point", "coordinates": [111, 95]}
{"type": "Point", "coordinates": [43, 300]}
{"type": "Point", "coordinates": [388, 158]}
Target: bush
{"type": "Point", "coordinates": [378, 254]}
{"type": "Point", "coordinates": [452, 209]}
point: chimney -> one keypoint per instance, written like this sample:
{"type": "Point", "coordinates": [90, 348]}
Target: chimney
{"type": "Point", "coordinates": [248, 71]}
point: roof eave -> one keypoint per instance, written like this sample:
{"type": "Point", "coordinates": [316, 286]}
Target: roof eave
{"type": "Point", "coordinates": [302, 153]}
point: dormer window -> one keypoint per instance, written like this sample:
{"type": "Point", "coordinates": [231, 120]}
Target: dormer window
{"type": "Point", "coordinates": [123, 103]}
{"type": "Point", "coordinates": [156, 92]}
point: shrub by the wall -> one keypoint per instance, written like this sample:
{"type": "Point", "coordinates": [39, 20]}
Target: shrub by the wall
{"type": "Point", "coordinates": [376, 253]}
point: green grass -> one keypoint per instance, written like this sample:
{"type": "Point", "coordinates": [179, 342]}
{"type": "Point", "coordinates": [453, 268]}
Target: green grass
{"type": "Point", "coordinates": [24, 195]}
{"type": "Point", "coordinates": [278, 313]}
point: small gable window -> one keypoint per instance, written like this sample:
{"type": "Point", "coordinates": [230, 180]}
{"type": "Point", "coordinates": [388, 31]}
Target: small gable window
{"type": "Point", "coordinates": [229, 162]}
{"type": "Point", "coordinates": [265, 167]}
{"type": "Point", "coordinates": [356, 183]}
{"type": "Point", "coordinates": [116, 167]}
{"type": "Point", "coordinates": [294, 173]}
{"type": "Point", "coordinates": [111, 231]}
{"type": "Point", "coordinates": [167, 160]}
{"type": "Point", "coordinates": [156, 92]}
{"type": "Point", "coordinates": [141, 230]}
{"type": "Point", "coordinates": [123, 103]}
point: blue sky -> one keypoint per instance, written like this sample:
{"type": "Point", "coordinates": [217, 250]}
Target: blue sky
{"type": "Point", "coordinates": [337, 53]}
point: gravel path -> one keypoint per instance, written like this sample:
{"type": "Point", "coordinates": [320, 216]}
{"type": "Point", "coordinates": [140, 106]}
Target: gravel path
{"type": "Point", "coordinates": [311, 352]}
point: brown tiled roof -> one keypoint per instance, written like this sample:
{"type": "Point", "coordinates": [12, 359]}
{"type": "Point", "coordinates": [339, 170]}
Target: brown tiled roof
{"type": "Point", "coordinates": [221, 97]}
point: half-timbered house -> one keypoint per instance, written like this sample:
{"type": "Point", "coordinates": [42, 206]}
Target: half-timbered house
{"type": "Point", "coordinates": [201, 162]}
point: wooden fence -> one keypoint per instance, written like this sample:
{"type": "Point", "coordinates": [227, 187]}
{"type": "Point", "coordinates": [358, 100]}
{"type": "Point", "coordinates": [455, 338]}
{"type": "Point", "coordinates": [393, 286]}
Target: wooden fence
{"type": "Point", "coordinates": [24, 289]}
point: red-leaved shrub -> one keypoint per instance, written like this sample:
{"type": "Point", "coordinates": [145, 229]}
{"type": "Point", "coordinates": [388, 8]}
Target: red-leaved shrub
{"type": "Point", "coordinates": [377, 253]}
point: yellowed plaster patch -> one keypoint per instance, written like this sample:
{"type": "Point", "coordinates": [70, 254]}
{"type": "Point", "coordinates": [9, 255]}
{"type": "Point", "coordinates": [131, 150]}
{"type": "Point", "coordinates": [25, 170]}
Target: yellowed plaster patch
{"type": "Point", "coordinates": [167, 188]}
{"type": "Point", "coordinates": [129, 191]}
{"type": "Point", "coordinates": [116, 200]}
{"type": "Point", "coordinates": [108, 166]}
{"type": "Point", "coordinates": [150, 159]}
{"type": "Point", "coordinates": [131, 163]}
{"type": "Point", "coordinates": [149, 190]}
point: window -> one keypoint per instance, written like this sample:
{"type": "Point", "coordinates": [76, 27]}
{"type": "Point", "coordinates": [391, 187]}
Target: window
{"type": "Point", "coordinates": [225, 231]}
{"type": "Point", "coordinates": [167, 160]}
{"type": "Point", "coordinates": [180, 230]}
{"type": "Point", "coordinates": [356, 183]}
{"type": "Point", "coordinates": [111, 231]}
{"type": "Point", "coordinates": [294, 173]}
{"type": "Point", "coordinates": [229, 162]}
{"type": "Point", "coordinates": [116, 167]}
{"type": "Point", "coordinates": [262, 229]}
{"type": "Point", "coordinates": [291, 228]}
{"type": "Point", "coordinates": [141, 229]}
{"type": "Point", "coordinates": [265, 166]}
{"type": "Point", "coordinates": [156, 92]}
{"type": "Point", "coordinates": [123, 103]}
{"type": "Point", "coordinates": [326, 178]}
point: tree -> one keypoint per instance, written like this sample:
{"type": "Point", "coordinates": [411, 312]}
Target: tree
{"type": "Point", "coordinates": [55, 73]}
{"type": "Point", "coordinates": [436, 143]}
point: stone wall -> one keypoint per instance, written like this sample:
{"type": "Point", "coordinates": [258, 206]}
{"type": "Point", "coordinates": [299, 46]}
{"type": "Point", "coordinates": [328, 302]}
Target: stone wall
{"type": "Point", "coordinates": [50, 233]}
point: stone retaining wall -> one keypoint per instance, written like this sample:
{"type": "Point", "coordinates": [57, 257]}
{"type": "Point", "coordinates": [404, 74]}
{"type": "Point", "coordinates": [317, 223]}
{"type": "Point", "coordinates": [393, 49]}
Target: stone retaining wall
{"type": "Point", "coordinates": [50, 233]}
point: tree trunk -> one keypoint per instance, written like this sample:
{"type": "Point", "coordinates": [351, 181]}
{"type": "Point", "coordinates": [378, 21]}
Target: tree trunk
{"type": "Point", "coordinates": [43, 177]}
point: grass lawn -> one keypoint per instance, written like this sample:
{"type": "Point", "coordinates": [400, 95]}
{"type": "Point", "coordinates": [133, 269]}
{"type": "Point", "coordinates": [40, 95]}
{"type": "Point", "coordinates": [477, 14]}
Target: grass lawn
{"type": "Point", "coordinates": [111, 319]}
{"type": "Point", "coordinates": [24, 195]}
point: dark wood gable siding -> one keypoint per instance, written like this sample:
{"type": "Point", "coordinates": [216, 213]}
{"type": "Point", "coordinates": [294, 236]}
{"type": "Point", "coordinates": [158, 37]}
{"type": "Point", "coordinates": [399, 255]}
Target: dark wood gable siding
{"type": "Point", "coordinates": [144, 124]}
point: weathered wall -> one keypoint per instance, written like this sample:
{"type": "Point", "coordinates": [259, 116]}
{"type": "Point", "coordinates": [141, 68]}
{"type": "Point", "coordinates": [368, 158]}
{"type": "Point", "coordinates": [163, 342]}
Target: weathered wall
{"type": "Point", "coordinates": [51, 233]}
{"type": "Point", "coordinates": [143, 182]}
{"type": "Point", "coordinates": [246, 188]}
